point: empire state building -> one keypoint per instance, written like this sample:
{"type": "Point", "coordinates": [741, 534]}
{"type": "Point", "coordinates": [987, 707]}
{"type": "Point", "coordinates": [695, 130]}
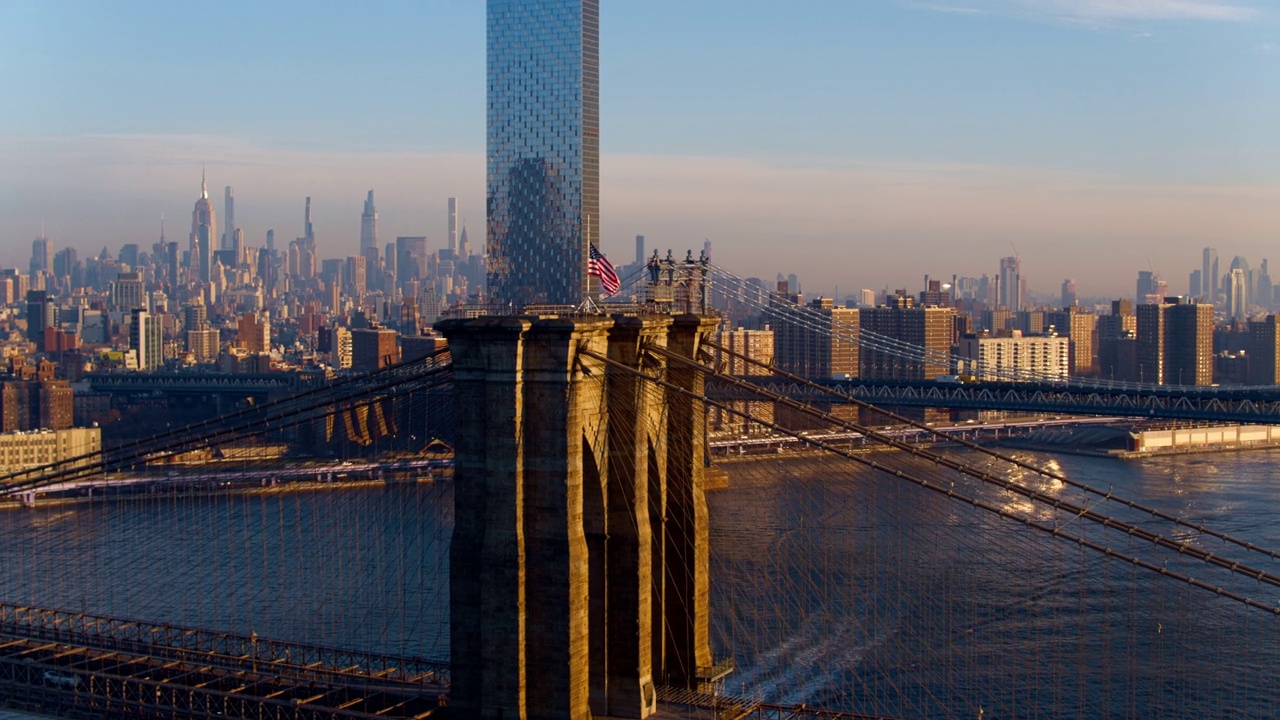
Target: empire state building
{"type": "Point", "coordinates": [203, 230]}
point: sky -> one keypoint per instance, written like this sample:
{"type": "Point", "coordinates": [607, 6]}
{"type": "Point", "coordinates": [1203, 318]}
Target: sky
{"type": "Point", "coordinates": [855, 143]}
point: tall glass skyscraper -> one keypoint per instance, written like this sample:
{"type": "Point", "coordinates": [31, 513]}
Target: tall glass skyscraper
{"type": "Point", "coordinates": [544, 150]}
{"type": "Point", "coordinates": [1011, 283]}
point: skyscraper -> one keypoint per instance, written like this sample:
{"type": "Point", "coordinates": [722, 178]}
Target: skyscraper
{"type": "Point", "coordinates": [1175, 343]}
{"type": "Point", "coordinates": [1081, 327]}
{"type": "Point", "coordinates": [453, 225]}
{"type": "Point", "coordinates": [1146, 288]}
{"type": "Point", "coordinates": [1240, 292]}
{"type": "Point", "coordinates": [1263, 289]}
{"type": "Point", "coordinates": [1209, 277]}
{"type": "Point", "coordinates": [355, 276]}
{"type": "Point", "coordinates": [1069, 297]}
{"type": "Point", "coordinates": [203, 231]}
{"type": "Point", "coordinates": [369, 234]}
{"type": "Point", "coordinates": [823, 347]}
{"type": "Point", "coordinates": [41, 253]}
{"type": "Point", "coordinates": [543, 186]}
{"type": "Point", "coordinates": [66, 263]}
{"type": "Point", "coordinates": [128, 292]}
{"type": "Point", "coordinates": [1189, 357]}
{"type": "Point", "coordinates": [411, 257]}
{"type": "Point", "coordinates": [229, 214]}
{"type": "Point", "coordinates": [1264, 351]}
{"type": "Point", "coordinates": [42, 312]}
{"type": "Point", "coordinates": [1011, 283]}
{"type": "Point", "coordinates": [146, 339]}
{"type": "Point", "coordinates": [1151, 336]}
{"type": "Point", "coordinates": [308, 230]}
{"type": "Point", "coordinates": [924, 327]}
{"type": "Point", "coordinates": [1238, 295]}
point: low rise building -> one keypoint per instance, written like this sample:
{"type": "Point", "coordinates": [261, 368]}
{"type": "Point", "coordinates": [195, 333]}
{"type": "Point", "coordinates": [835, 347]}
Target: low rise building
{"type": "Point", "coordinates": [1014, 357]}
{"type": "Point", "coordinates": [23, 450]}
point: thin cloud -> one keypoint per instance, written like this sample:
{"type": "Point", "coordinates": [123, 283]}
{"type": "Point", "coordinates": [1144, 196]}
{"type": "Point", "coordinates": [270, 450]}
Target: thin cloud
{"type": "Point", "coordinates": [1215, 10]}
{"type": "Point", "coordinates": [1106, 11]}
{"type": "Point", "coordinates": [956, 9]}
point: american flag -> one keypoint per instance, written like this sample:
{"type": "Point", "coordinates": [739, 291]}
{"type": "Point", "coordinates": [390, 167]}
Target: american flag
{"type": "Point", "coordinates": [600, 266]}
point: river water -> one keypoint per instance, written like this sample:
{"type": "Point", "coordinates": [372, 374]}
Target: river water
{"type": "Point", "coordinates": [854, 590]}
{"type": "Point", "coordinates": [835, 587]}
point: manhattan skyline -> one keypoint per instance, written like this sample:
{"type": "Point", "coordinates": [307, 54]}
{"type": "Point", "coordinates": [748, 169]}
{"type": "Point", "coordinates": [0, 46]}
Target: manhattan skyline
{"type": "Point", "coordinates": [841, 143]}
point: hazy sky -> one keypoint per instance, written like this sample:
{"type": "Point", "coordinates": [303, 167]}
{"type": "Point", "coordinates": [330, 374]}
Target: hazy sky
{"type": "Point", "coordinates": [857, 143]}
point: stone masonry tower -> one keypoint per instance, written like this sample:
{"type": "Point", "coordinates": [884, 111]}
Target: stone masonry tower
{"type": "Point", "coordinates": [579, 562]}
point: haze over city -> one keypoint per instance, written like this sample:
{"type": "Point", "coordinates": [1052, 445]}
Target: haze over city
{"type": "Point", "coordinates": [854, 144]}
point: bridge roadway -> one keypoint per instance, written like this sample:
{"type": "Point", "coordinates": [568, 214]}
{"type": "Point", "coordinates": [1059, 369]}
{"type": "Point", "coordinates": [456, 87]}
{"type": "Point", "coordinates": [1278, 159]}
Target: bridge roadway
{"type": "Point", "coordinates": [185, 476]}
{"type": "Point", "coordinates": [971, 431]}
{"type": "Point", "coordinates": [1259, 405]}
{"type": "Point", "coordinates": [80, 665]}
{"type": "Point", "coordinates": [76, 664]}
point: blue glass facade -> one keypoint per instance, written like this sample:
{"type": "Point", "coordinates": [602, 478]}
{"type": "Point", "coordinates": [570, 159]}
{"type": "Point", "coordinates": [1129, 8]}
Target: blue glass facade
{"type": "Point", "coordinates": [543, 149]}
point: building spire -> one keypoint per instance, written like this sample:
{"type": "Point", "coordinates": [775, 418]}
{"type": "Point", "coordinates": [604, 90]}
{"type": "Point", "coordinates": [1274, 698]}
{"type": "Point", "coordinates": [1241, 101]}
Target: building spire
{"type": "Point", "coordinates": [204, 188]}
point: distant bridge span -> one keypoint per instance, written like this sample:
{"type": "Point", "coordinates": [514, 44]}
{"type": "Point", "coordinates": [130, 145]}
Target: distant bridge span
{"type": "Point", "coordinates": [203, 383]}
{"type": "Point", "coordinates": [1246, 405]}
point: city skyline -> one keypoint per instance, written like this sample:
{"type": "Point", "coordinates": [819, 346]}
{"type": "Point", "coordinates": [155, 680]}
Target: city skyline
{"type": "Point", "coordinates": [938, 134]}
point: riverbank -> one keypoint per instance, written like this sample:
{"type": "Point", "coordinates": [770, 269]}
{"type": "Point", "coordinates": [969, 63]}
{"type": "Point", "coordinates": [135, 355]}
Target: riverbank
{"type": "Point", "coordinates": [1124, 443]}
{"type": "Point", "coordinates": [1138, 454]}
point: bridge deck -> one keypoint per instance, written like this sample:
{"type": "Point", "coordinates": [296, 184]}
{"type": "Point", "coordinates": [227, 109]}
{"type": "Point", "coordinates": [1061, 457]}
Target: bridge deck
{"type": "Point", "coordinates": [62, 662]}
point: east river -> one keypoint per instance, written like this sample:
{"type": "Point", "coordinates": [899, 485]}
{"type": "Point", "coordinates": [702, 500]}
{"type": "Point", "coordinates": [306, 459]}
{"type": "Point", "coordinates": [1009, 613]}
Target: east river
{"type": "Point", "coordinates": [835, 587]}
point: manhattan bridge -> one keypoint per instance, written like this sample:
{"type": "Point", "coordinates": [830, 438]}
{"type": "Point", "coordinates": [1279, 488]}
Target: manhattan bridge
{"type": "Point", "coordinates": [534, 523]}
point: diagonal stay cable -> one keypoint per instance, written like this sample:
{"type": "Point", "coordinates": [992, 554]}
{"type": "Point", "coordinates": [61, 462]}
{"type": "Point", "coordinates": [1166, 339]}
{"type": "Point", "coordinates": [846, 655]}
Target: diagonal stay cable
{"type": "Point", "coordinates": [1132, 530]}
{"type": "Point", "coordinates": [969, 444]}
{"type": "Point", "coordinates": [951, 493]}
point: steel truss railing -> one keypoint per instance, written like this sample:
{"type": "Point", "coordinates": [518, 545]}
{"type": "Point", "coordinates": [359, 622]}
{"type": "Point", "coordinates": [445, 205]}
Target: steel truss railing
{"type": "Point", "coordinates": [206, 382]}
{"type": "Point", "coordinates": [1065, 400]}
{"type": "Point", "coordinates": [80, 664]}
{"type": "Point", "coordinates": [300, 660]}
{"type": "Point", "coordinates": [83, 683]}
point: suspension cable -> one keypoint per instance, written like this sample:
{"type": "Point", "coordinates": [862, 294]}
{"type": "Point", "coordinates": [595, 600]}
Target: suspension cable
{"type": "Point", "coordinates": [1031, 494]}
{"type": "Point", "coordinates": [1108, 495]}
{"type": "Point", "coordinates": [951, 493]}
{"type": "Point", "coordinates": [976, 502]}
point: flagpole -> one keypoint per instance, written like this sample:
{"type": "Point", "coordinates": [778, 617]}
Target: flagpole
{"type": "Point", "coordinates": [588, 304]}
